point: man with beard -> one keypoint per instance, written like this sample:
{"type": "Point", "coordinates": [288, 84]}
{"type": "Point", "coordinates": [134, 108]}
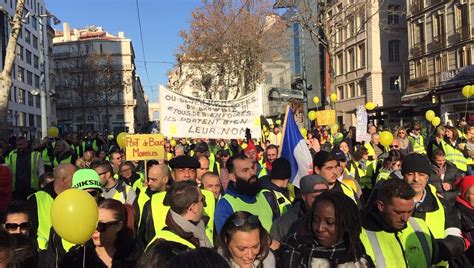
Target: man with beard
{"type": "Point", "coordinates": [243, 194]}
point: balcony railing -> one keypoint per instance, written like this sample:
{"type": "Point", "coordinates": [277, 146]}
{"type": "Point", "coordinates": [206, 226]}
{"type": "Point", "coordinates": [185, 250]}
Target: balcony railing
{"type": "Point", "coordinates": [438, 42]}
{"type": "Point", "coordinates": [418, 49]}
{"type": "Point", "coordinates": [460, 34]}
{"type": "Point", "coordinates": [417, 6]}
{"type": "Point", "coordinates": [434, 2]}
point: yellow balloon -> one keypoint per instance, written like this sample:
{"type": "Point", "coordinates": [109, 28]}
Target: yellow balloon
{"type": "Point", "coordinates": [303, 131]}
{"type": "Point", "coordinates": [312, 115]}
{"type": "Point", "coordinates": [466, 91]}
{"type": "Point", "coordinates": [471, 90]}
{"type": "Point", "coordinates": [121, 139]}
{"type": "Point", "coordinates": [278, 122]}
{"type": "Point", "coordinates": [436, 121]}
{"type": "Point", "coordinates": [370, 106]}
{"type": "Point", "coordinates": [316, 100]}
{"type": "Point", "coordinates": [386, 138]}
{"type": "Point", "coordinates": [333, 97]}
{"type": "Point", "coordinates": [53, 132]}
{"type": "Point", "coordinates": [430, 114]}
{"type": "Point", "coordinates": [173, 143]}
{"type": "Point", "coordinates": [74, 215]}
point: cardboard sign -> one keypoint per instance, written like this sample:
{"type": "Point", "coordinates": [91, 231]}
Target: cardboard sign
{"type": "Point", "coordinates": [361, 126]}
{"type": "Point", "coordinates": [326, 117]}
{"type": "Point", "coordinates": [189, 117]}
{"type": "Point", "coordinates": [145, 147]}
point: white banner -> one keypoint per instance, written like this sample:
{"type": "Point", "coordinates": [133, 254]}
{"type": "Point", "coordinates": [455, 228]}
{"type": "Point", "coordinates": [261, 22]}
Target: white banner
{"type": "Point", "coordinates": [189, 117]}
{"type": "Point", "coordinates": [361, 126]}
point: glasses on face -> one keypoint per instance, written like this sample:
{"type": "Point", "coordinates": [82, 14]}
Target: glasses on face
{"type": "Point", "coordinates": [14, 226]}
{"type": "Point", "coordinates": [102, 173]}
{"type": "Point", "coordinates": [252, 219]}
{"type": "Point", "coordinates": [103, 226]}
{"type": "Point", "coordinates": [417, 129]}
{"type": "Point", "coordinates": [393, 146]}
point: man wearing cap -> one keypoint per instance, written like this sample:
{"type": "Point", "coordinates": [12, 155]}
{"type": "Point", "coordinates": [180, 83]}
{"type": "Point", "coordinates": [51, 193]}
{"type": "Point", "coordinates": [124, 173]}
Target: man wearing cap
{"type": "Point", "coordinates": [112, 188]}
{"type": "Point", "coordinates": [156, 182]}
{"type": "Point", "coordinates": [279, 193]}
{"type": "Point", "coordinates": [342, 174]}
{"type": "Point", "coordinates": [326, 165]}
{"type": "Point", "coordinates": [40, 203]}
{"type": "Point", "coordinates": [83, 179]}
{"type": "Point", "coordinates": [183, 168]}
{"type": "Point", "coordinates": [435, 211]}
{"type": "Point", "coordinates": [310, 186]}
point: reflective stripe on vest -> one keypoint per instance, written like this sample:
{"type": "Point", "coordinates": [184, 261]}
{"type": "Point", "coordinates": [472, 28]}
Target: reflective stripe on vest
{"type": "Point", "coordinates": [159, 212]}
{"type": "Point", "coordinates": [418, 146]}
{"type": "Point", "coordinates": [44, 201]}
{"type": "Point", "coordinates": [45, 157]}
{"type": "Point", "coordinates": [383, 175]}
{"type": "Point", "coordinates": [261, 208]}
{"type": "Point", "coordinates": [170, 236]}
{"type": "Point", "coordinates": [454, 156]}
{"type": "Point", "coordinates": [141, 200]}
{"type": "Point", "coordinates": [414, 243]}
{"type": "Point", "coordinates": [11, 161]}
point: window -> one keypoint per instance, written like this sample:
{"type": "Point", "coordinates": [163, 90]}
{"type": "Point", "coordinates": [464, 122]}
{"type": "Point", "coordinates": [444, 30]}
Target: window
{"type": "Point", "coordinates": [441, 64]}
{"type": "Point", "coordinates": [28, 56]}
{"type": "Point", "coordinates": [394, 50]}
{"type": "Point", "coordinates": [361, 49]}
{"type": "Point", "coordinates": [393, 17]}
{"type": "Point", "coordinates": [37, 101]}
{"type": "Point", "coordinates": [395, 83]}
{"type": "Point", "coordinates": [438, 26]}
{"type": "Point", "coordinates": [30, 99]}
{"type": "Point", "coordinates": [19, 52]}
{"type": "Point", "coordinates": [13, 94]}
{"type": "Point", "coordinates": [21, 119]}
{"type": "Point", "coordinates": [35, 61]}
{"type": "Point", "coordinates": [38, 121]}
{"type": "Point", "coordinates": [340, 92]}
{"type": "Point", "coordinates": [352, 91]}
{"type": "Point", "coordinates": [21, 74]}
{"type": "Point", "coordinates": [351, 59]}
{"type": "Point", "coordinates": [101, 50]}
{"type": "Point", "coordinates": [37, 81]}
{"type": "Point", "coordinates": [29, 78]}
{"type": "Point", "coordinates": [362, 88]}
{"type": "Point", "coordinates": [21, 96]}
{"type": "Point", "coordinates": [463, 57]}
{"type": "Point", "coordinates": [340, 64]}
{"type": "Point", "coordinates": [31, 122]}
{"type": "Point", "coordinates": [418, 33]}
{"type": "Point", "coordinates": [351, 27]}
{"type": "Point", "coordinates": [461, 18]}
{"type": "Point", "coordinates": [34, 22]}
{"type": "Point", "coordinates": [35, 42]}
{"type": "Point", "coordinates": [27, 36]}
{"type": "Point", "coordinates": [90, 118]}
{"type": "Point", "coordinates": [420, 68]}
{"type": "Point", "coordinates": [119, 117]}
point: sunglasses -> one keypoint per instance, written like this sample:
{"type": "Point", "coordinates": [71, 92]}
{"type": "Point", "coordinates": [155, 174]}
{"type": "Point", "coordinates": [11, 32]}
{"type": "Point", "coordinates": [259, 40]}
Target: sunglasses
{"type": "Point", "coordinates": [103, 226]}
{"type": "Point", "coordinates": [394, 146]}
{"type": "Point", "coordinates": [15, 226]}
{"type": "Point", "coordinates": [252, 219]}
{"type": "Point", "coordinates": [401, 132]}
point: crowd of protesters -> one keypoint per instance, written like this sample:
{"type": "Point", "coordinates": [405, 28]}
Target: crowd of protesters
{"type": "Point", "coordinates": [231, 203]}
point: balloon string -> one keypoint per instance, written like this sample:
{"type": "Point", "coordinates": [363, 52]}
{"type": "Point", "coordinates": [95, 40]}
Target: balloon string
{"type": "Point", "coordinates": [465, 110]}
{"type": "Point", "coordinates": [84, 258]}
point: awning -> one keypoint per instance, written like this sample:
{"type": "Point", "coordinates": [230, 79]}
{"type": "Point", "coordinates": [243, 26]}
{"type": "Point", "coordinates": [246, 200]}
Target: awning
{"type": "Point", "coordinates": [414, 96]}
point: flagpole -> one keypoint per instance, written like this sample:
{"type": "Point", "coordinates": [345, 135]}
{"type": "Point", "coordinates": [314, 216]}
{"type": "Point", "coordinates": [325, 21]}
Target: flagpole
{"type": "Point", "coordinates": [284, 130]}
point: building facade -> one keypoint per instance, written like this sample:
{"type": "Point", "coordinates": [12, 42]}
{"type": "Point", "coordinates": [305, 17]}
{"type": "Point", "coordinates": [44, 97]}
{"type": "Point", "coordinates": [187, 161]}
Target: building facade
{"type": "Point", "coordinates": [441, 46]}
{"type": "Point", "coordinates": [35, 38]}
{"type": "Point", "coordinates": [97, 86]}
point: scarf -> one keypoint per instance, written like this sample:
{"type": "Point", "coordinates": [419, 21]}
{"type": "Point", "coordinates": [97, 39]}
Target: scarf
{"type": "Point", "coordinates": [404, 143]}
{"type": "Point", "coordinates": [198, 230]}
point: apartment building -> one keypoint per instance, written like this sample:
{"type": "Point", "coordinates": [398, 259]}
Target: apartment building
{"type": "Point", "coordinates": [441, 43]}
{"type": "Point", "coordinates": [24, 107]}
{"type": "Point", "coordinates": [116, 102]}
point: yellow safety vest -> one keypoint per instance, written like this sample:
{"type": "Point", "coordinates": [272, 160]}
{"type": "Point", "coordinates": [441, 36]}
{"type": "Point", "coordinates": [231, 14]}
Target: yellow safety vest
{"type": "Point", "coordinates": [11, 161]}
{"type": "Point", "coordinates": [170, 236]}
{"type": "Point", "coordinates": [122, 196]}
{"type": "Point", "coordinates": [418, 146]}
{"type": "Point", "coordinates": [64, 161]}
{"type": "Point", "coordinates": [347, 190]}
{"type": "Point", "coordinates": [141, 200]}
{"type": "Point", "coordinates": [414, 246]}
{"type": "Point", "coordinates": [45, 157]}
{"type": "Point", "coordinates": [44, 202]}
{"type": "Point", "coordinates": [384, 174]}
{"type": "Point", "coordinates": [261, 208]}
{"type": "Point", "coordinates": [140, 182]}
{"type": "Point", "coordinates": [67, 245]}
{"type": "Point", "coordinates": [436, 219]}
{"type": "Point", "coordinates": [454, 156]}
{"type": "Point", "coordinates": [159, 212]}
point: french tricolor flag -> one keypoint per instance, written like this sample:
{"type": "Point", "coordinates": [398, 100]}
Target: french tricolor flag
{"type": "Point", "coordinates": [295, 150]}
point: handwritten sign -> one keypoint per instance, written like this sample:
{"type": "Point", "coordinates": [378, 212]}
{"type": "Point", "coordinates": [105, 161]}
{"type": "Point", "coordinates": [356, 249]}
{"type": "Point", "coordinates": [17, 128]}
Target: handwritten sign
{"type": "Point", "coordinates": [326, 117]}
{"type": "Point", "coordinates": [189, 117]}
{"type": "Point", "coordinates": [361, 126]}
{"type": "Point", "coordinates": [145, 147]}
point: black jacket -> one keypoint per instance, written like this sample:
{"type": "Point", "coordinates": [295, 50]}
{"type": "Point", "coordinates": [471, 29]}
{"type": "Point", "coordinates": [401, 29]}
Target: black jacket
{"type": "Point", "coordinates": [466, 215]}
{"type": "Point", "coordinates": [451, 174]}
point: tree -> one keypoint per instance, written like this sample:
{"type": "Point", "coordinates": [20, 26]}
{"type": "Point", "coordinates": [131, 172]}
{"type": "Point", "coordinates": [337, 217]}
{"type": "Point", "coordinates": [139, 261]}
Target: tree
{"type": "Point", "coordinates": [93, 79]}
{"type": "Point", "coordinates": [224, 50]}
{"type": "Point", "coordinates": [5, 76]}
{"type": "Point", "coordinates": [326, 22]}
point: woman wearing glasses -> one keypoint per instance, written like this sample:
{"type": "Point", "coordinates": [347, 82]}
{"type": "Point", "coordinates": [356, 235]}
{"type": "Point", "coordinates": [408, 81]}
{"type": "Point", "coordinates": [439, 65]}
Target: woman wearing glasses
{"type": "Point", "coordinates": [112, 244]}
{"type": "Point", "coordinates": [405, 146]}
{"type": "Point", "coordinates": [328, 237]}
{"type": "Point", "coordinates": [392, 166]}
{"type": "Point", "coordinates": [245, 243]}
